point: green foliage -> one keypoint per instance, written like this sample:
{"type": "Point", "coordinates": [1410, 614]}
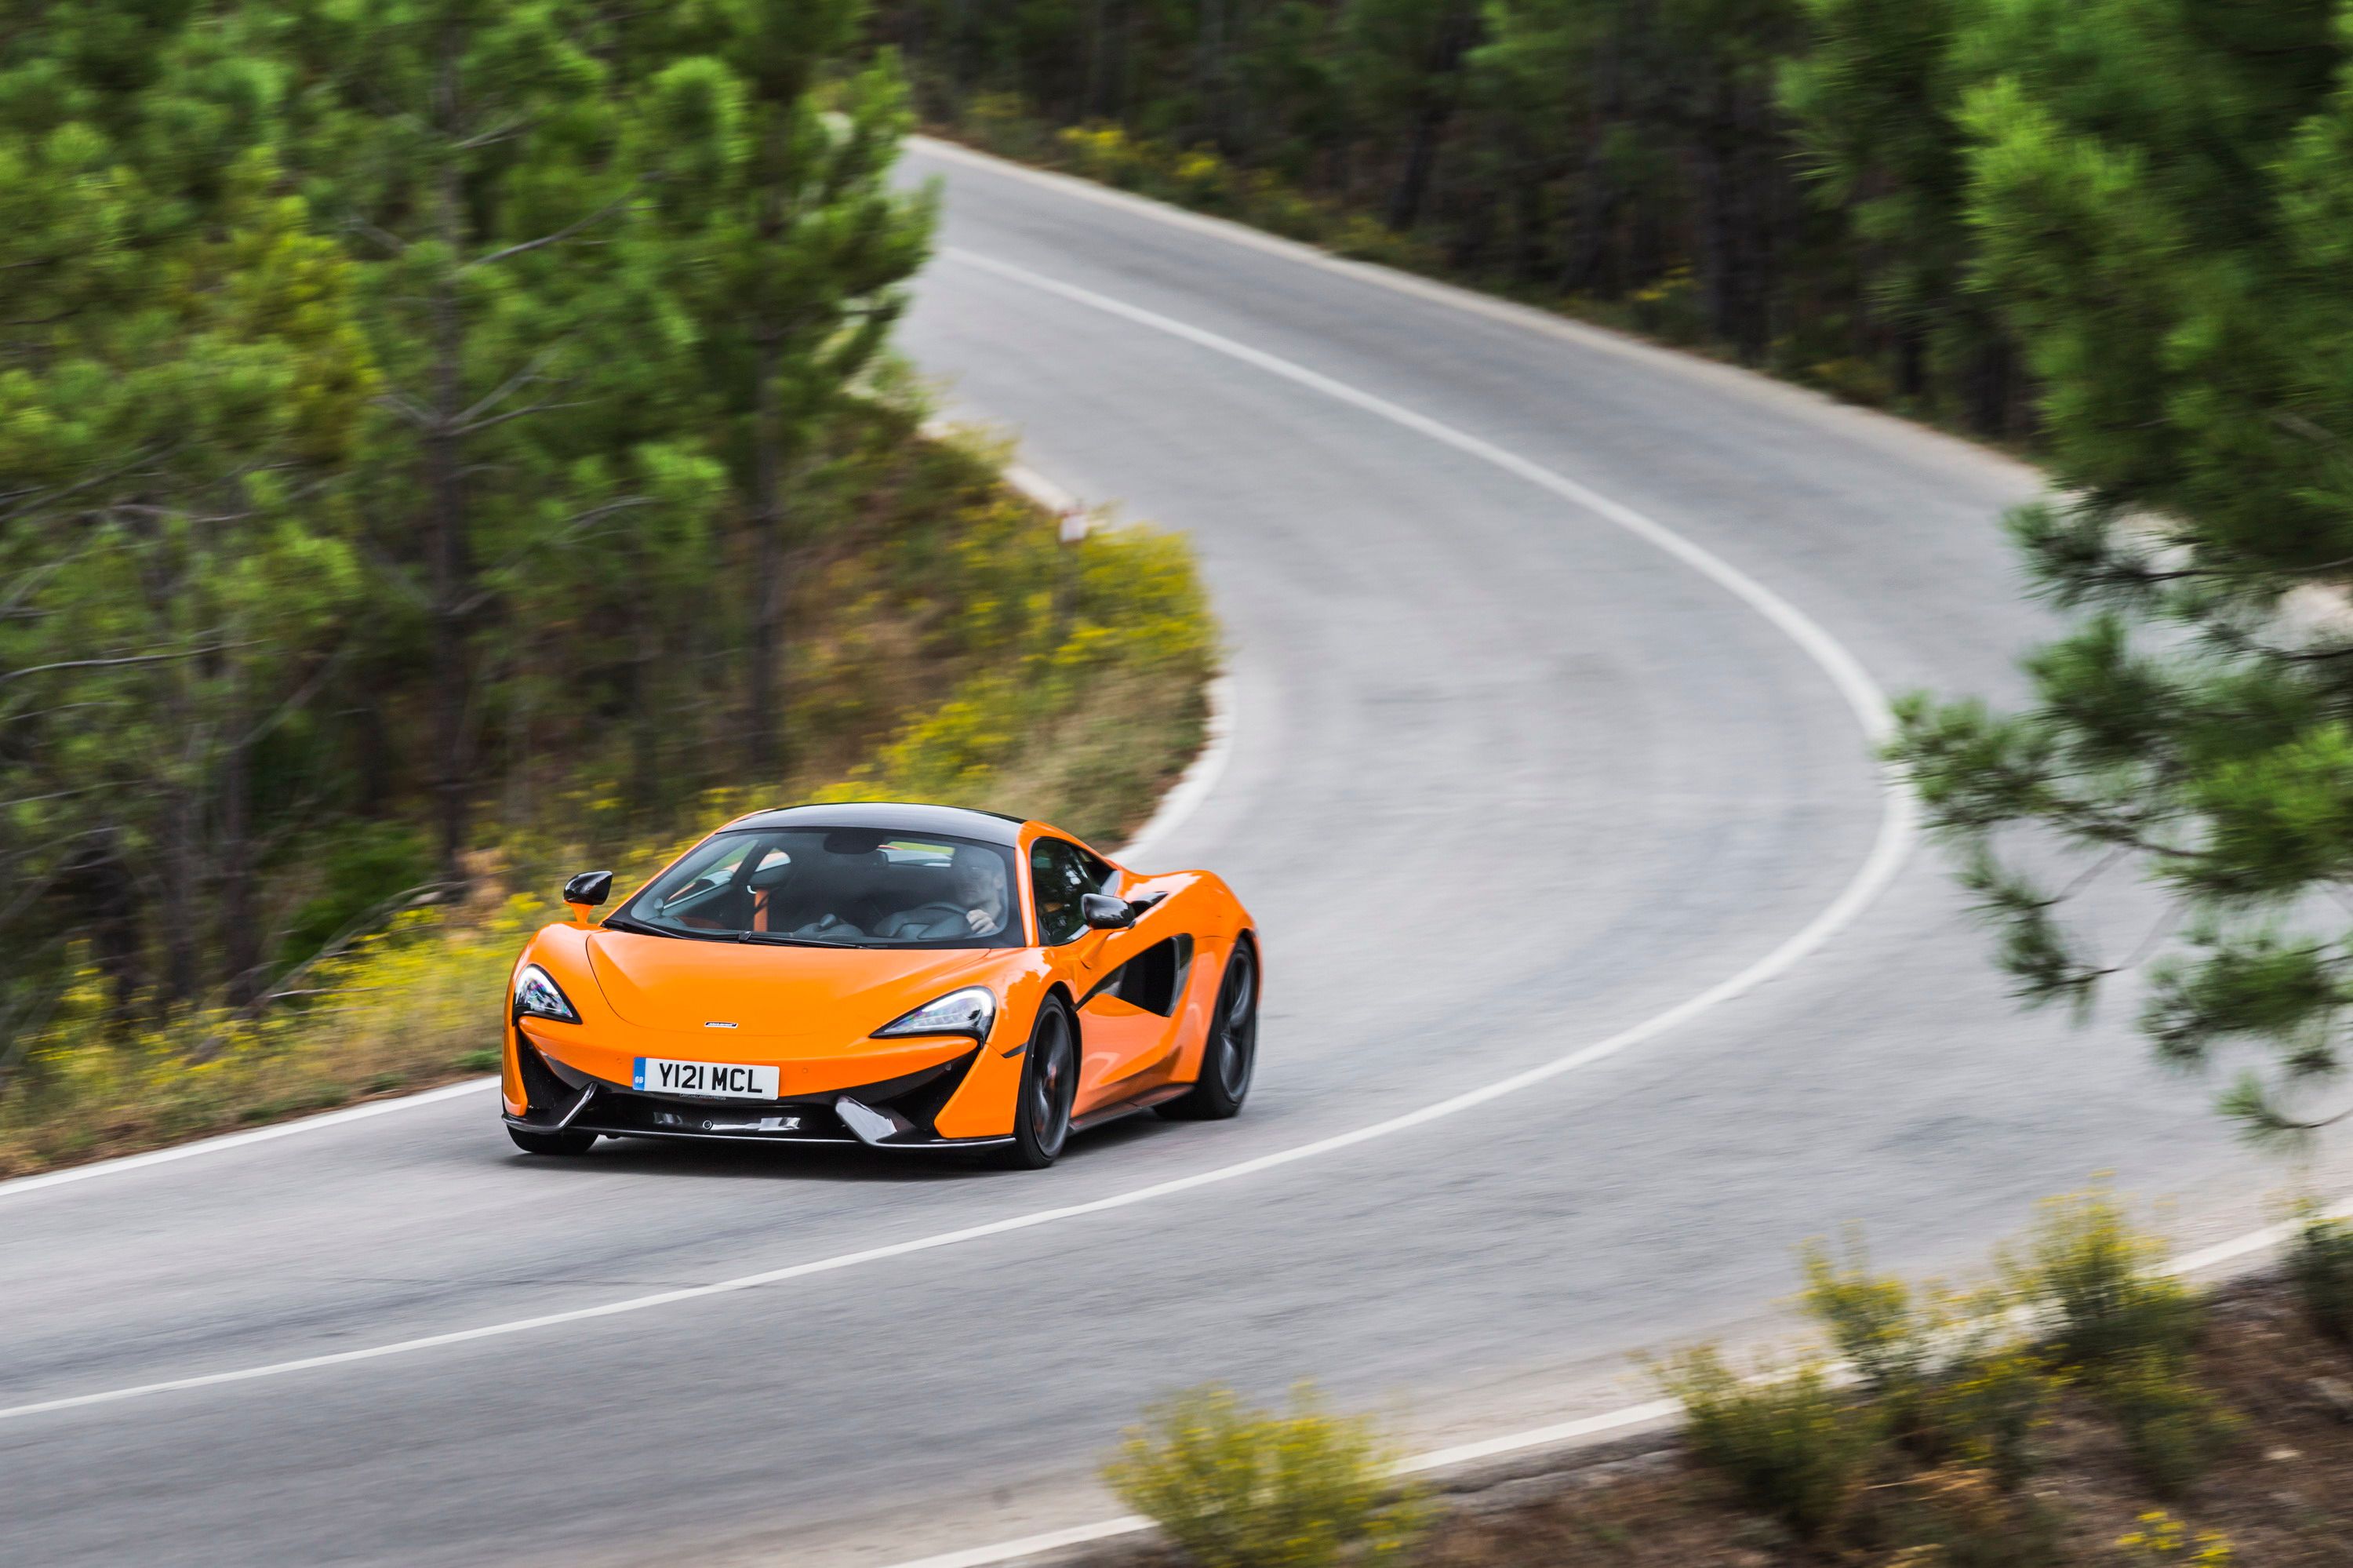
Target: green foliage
{"type": "Point", "coordinates": [2153, 200]}
{"type": "Point", "coordinates": [2320, 1261]}
{"type": "Point", "coordinates": [2174, 1431]}
{"type": "Point", "coordinates": [1986, 1407]}
{"type": "Point", "coordinates": [407, 412]}
{"type": "Point", "coordinates": [367, 869]}
{"type": "Point", "coordinates": [1233, 1487]}
{"type": "Point", "coordinates": [1790, 1443]}
{"type": "Point", "coordinates": [1874, 1320]}
{"type": "Point", "coordinates": [2092, 1280]}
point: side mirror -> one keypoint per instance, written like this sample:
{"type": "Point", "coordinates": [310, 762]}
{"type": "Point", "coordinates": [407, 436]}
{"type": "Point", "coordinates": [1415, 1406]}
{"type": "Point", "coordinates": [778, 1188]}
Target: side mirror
{"type": "Point", "coordinates": [586, 891]}
{"type": "Point", "coordinates": [1105, 913]}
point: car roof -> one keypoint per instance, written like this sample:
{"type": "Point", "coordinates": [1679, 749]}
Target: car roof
{"type": "Point", "coordinates": [895, 816]}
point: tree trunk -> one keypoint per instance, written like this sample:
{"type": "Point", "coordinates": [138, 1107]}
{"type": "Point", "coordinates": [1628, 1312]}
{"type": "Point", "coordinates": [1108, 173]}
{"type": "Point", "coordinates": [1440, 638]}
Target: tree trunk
{"type": "Point", "coordinates": [1213, 69]}
{"type": "Point", "coordinates": [1714, 259]}
{"type": "Point", "coordinates": [645, 720]}
{"type": "Point", "coordinates": [1091, 94]}
{"type": "Point", "coordinates": [183, 860]}
{"type": "Point", "coordinates": [102, 882]}
{"type": "Point", "coordinates": [1429, 123]}
{"type": "Point", "coordinates": [240, 922]}
{"type": "Point", "coordinates": [765, 748]}
{"type": "Point", "coordinates": [1911, 358]}
{"type": "Point", "coordinates": [1991, 385]}
{"type": "Point", "coordinates": [448, 547]}
{"type": "Point", "coordinates": [1421, 161]}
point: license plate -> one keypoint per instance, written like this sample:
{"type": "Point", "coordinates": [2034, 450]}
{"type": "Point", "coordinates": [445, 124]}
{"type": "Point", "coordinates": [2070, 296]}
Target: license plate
{"type": "Point", "coordinates": [718, 1080]}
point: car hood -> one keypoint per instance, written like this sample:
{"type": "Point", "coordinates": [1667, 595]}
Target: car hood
{"type": "Point", "coordinates": [771, 992]}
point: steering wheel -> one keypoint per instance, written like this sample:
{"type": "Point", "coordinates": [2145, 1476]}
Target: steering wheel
{"type": "Point", "coordinates": [925, 922]}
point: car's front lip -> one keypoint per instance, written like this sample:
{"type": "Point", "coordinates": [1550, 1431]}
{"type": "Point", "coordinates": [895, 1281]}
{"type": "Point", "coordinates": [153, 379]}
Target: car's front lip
{"type": "Point", "coordinates": [893, 1111]}
{"type": "Point", "coordinates": [804, 1069]}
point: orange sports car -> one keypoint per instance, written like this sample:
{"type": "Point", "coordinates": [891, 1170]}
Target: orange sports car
{"type": "Point", "coordinates": [904, 977]}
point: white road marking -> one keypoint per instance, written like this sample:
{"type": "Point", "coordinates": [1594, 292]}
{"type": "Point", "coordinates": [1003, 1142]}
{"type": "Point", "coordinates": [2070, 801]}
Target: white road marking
{"type": "Point", "coordinates": [17, 1185]}
{"type": "Point", "coordinates": [1887, 432]}
{"type": "Point", "coordinates": [1887, 852]}
{"type": "Point", "coordinates": [1862, 693]}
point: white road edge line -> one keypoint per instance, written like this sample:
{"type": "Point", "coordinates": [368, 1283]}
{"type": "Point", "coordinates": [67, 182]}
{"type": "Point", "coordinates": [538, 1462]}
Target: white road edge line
{"type": "Point", "coordinates": [1886, 432]}
{"type": "Point", "coordinates": [1888, 849]}
{"type": "Point", "coordinates": [1183, 799]}
{"type": "Point", "coordinates": [17, 1185]}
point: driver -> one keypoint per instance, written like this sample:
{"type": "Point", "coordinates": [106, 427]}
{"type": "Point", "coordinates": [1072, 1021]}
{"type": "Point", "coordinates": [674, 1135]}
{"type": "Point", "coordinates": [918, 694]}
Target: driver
{"type": "Point", "coordinates": [980, 889]}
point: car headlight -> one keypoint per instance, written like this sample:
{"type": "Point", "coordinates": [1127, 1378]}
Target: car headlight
{"type": "Point", "coordinates": [967, 1011]}
{"type": "Point", "coordinates": [536, 995]}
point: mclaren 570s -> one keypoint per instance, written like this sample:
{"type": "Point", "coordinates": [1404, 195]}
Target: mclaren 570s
{"type": "Point", "coordinates": [898, 976]}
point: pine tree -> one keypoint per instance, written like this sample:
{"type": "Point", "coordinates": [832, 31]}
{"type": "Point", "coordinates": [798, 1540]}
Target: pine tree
{"type": "Point", "coordinates": [180, 367]}
{"type": "Point", "coordinates": [470, 147]}
{"type": "Point", "coordinates": [2162, 196]}
{"type": "Point", "coordinates": [788, 246]}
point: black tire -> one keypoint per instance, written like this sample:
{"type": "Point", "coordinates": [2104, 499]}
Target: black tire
{"type": "Point", "coordinates": [1230, 1058]}
{"type": "Point", "coordinates": [565, 1143]}
{"type": "Point", "coordinates": [1049, 1085]}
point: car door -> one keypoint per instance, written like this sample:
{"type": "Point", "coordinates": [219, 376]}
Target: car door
{"type": "Point", "coordinates": [1116, 1038]}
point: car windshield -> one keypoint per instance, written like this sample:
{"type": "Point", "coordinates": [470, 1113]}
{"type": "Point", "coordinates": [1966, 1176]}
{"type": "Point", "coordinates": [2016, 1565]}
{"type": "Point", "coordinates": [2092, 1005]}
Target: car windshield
{"type": "Point", "coordinates": [843, 887]}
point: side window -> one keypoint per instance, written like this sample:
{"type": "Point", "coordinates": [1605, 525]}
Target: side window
{"type": "Point", "coordinates": [1057, 880]}
{"type": "Point", "coordinates": [1101, 878]}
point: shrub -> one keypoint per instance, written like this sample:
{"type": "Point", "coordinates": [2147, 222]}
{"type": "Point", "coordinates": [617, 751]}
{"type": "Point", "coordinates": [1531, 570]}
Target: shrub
{"type": "Point", "coordinates": [2322, 1266]}
{"type": "Point", "coordinates": [1790, 1444]}
{"type": "Point", "coordinates": [1950, 1382]}
{"type": "Point", "coordinates": [1236, 1488]}
{"type": "Point", "coordinates": [1871, 1318]}
{"type": "Point", "coordinates": [1984, 1409]}
{"type": "Point", "coordinates": [2173, 1429]}
{"type": "Point", "coordinates": [2093, 1279]}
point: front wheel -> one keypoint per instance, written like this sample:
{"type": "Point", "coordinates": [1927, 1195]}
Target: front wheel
{"type": "Point", "coordinates": [1049, 1085]}
{"type": "Point", "coordinates": [551, 1142]}
{"type": "Point", "coordinates": [1232, 1054]}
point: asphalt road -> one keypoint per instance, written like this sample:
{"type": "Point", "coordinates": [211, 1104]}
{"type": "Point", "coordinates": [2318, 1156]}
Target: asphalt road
{"type": "Point", "coordinates": [1507, 780]}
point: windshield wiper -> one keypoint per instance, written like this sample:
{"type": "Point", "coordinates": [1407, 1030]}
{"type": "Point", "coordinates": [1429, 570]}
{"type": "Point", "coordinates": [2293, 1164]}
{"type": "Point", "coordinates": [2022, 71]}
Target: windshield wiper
{"type": "Point", "coordinates": [777, 939]}
{"type": "Point", "coordinates": [639, 927]}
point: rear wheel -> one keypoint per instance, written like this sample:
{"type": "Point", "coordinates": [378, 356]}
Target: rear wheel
{"type": "Point", "coordinates": [551, 1142]}
{"type": "Point", "coordinates": [1050, 1084]}
{"type": "Point", "coordinates": [1231, 1055]}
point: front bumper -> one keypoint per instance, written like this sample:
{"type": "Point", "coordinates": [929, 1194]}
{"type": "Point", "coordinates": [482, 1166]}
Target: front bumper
{"type": "Point", "coordinates": [893, 1113]}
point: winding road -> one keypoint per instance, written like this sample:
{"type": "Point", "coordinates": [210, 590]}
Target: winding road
{"type": "Point", "coordinates": [1602, 969]}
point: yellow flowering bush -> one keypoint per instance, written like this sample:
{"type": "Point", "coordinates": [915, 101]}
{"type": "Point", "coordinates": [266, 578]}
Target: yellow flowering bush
{"type": "Point", "coordinates": [1237, 1487]}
